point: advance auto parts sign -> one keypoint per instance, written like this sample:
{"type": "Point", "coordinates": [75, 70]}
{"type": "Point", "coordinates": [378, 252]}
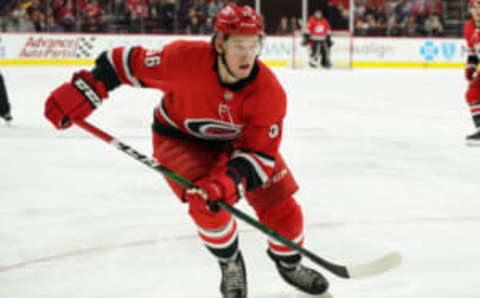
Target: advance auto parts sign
{"type": "Point", "coordinates": [57, 47]}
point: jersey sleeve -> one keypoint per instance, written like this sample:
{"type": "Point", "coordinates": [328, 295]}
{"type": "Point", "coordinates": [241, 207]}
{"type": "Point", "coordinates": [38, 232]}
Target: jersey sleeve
{"type": "Point", "coordinates": [134, 66]}
{"type": "Point", "coordinates": [467, 34]}
{"type": "Point", "coordinates": [256, 151]}
{"type": "Point", "coordinates": [311, 25]}
{"type": "Point", "coordinates": [472, 57]}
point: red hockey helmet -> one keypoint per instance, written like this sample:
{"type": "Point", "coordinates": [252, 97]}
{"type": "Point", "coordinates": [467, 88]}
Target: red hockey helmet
{"type": "Point", "coordinates": [239, 20]}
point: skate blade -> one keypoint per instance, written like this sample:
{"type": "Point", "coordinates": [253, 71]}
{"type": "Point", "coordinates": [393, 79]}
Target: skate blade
{"type": "Point", "coordinates": [324, 295]}
{"type": "Point", "coordinates": [473, 143]}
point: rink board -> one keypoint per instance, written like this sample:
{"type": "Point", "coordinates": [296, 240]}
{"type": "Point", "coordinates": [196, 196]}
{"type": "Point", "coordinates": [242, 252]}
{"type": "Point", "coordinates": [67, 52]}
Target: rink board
{"type": "Point", "coordinates": [81, 49]}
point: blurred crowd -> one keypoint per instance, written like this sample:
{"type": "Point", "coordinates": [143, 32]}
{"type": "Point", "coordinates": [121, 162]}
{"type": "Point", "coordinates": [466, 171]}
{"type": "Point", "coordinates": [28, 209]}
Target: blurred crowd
{"type": "Point", "coordinates": [381, 17]}
{"type": "Point", "coordinates": [372, 17]}
{"type": "Point", "coordinates": [153, 16]}
{"type": "Point", "coordinates": [399, 17]}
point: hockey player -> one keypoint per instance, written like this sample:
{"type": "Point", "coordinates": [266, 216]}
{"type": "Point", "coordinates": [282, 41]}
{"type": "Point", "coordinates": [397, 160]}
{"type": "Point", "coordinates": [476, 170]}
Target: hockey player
{"type": "Point", "coordinates": [319, 40]}
{"type": "Point", "coordinates": [472, 36]}
{"type": "Point", "coordinates": [4, 104]}
{"type": "Point", "coordinates": [219, 124]}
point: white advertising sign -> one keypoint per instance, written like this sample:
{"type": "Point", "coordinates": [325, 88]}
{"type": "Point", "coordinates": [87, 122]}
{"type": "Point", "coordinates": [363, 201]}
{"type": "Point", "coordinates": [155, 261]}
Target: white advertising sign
{"type": "Point", "coordinates": [76, 49]}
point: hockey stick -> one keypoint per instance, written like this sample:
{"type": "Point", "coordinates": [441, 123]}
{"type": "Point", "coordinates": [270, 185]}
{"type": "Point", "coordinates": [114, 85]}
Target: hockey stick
{"type": "Point", "coordinates": [371, 268]}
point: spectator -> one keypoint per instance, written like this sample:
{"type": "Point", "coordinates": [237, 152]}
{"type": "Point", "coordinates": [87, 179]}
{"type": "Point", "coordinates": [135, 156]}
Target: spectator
{"type": "Point", "coordinates": [185, 6]}
{"type": "Point", "coordinates": [33, 7]}
{"type": "Point", "coordinates": [381, 19]}
{"type": "Point", "coordinates": [371, 25]}
{"type": "Point", "coordinates": [436, 7]}
{"type": "Point", "coordinates": [283, 28]}
{"type": "Point", "coordinates": [392, 28]}
{"type": "Point", "coordinates": [25, 23]}
{"type": "Point", "coordinates": [433, 26]}
{"type": "Point", "coordinates": [400, 11]}
{"type": "Point", "coordinates": [16, 16]}
{"type": "Point", "coordinates": [202, 10]}
{"type": "Point", "coordinates": [411, 27]}
{"type": "Point", "coordinates": [93, 17]}
{"type": "Point", "coordinates": [193, 26]}
{"type": "Point", "coordinates": [207, 27]}
{"type": "Point", "coordinates": [214, 8]}
{"type": "Point", "coordinates": [38, 19]}
{"type": "Point", "coordinates": [359, 10]}
{"type": "Point", "coordinates": [66, 17]}
{"type": "Point", "coordinates": [294, 25]}
{"type": "Point", "coordinates": [168, 13]}
{"type": "Point", "coordinates": [361, 27]}
{"type": "Point", "coordinates": [154, 10]}
{"type": "Point", "coordinates": [137, 11]}
{"type": "Point", "coordinates": [51, 26]}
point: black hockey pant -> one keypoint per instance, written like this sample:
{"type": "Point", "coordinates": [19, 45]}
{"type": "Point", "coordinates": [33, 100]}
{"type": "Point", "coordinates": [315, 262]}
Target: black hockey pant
{"type": "Point", "coordinates": [320, 47]}
{"type": "Point", "coordinates": [4, 104]}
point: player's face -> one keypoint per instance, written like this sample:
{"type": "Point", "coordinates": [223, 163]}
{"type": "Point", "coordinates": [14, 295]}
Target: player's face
{"type": "Point", "coordinates": [240, 54]}
{"type": "Point", "coordinates": [475, 11]}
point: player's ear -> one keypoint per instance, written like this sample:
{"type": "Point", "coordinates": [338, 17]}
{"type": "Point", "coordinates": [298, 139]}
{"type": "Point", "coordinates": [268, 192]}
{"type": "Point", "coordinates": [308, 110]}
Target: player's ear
{"type": "Point", "coordinates": [219, 45]}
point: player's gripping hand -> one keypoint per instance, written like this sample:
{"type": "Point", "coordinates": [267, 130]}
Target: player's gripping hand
{"type": "Point", "coordinates": [470, 70]}
{"type": "Point", "coordinates": [75, 99]}
{"type": "Point", "coordinates": [212, 189]}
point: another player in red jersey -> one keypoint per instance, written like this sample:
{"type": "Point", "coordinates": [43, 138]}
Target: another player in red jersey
{"type": "Point", "coordinates": [219, 124]}
{"type": "Point", "coordinates": [472, 36]}
{"type": "Point", "coordinates": [319, 40]}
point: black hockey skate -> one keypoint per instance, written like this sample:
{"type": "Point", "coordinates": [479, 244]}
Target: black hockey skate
{"type": "Point", "coordinates": [234, 278]}
{"type": "Point", "coordinates": [301, 277]}
{"type": "Point", "coordinates": [474, 139]}
{"type": "Point", "coordinates": [6, 116]}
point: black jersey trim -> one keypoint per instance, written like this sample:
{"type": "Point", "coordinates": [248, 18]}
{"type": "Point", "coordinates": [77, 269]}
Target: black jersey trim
{"type": "Point", "coordinates": [246, 170]}
{"type": "Point", "coordinates": [472, 59]}
{"type": "Point", "coordinates": [104, 71]}
{"type": "Point", "coordinates": [237, 86]}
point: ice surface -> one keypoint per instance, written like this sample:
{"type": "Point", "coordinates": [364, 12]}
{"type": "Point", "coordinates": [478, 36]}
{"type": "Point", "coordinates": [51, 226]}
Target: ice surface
{"type": "Point", "coordinates": [379, 154]}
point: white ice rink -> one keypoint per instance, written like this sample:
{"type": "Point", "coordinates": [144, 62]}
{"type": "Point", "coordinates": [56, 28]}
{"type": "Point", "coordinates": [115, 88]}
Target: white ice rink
{"type": "Point", "coordinates": [379, 154]}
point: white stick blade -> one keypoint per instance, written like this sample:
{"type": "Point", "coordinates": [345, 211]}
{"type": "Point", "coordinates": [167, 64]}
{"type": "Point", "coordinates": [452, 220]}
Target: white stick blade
{"type": "Point", "coordinates": [375, 267]}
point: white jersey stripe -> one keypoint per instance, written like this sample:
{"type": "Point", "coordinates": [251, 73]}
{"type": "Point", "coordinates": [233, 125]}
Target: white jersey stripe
{"type": "Point", "coordinates": [165, 115]}
{"type": "Point", "coordinates": [110, 59]}
{"type": "Point", "coordinates": [297, 240]}
{"type": "Point", "coordinates": [474, 107]}
{"type": "Point", "coordinates": [283, 253]}
{"type": "Point", "coordinates": [268, 162]}
{"type": "Point", "coordinates": [223, 245]}
{"type": "Point", "coordinates": [217, 233]}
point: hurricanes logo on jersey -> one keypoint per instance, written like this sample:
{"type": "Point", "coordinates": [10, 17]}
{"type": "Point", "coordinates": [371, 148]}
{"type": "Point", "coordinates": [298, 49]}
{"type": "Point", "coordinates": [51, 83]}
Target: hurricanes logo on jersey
{"type": "Point", "coordinates": [211, 129]}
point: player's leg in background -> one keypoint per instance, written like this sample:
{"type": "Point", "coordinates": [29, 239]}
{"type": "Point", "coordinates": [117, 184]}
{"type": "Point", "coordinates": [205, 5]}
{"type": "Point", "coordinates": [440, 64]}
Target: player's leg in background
{"type": "Point", "coordinates": [276, 208]}
{"type": "Point", "coordinates": [325, 52]}
{"type": "Point", "coordinates": [472, 97]}
{"type": "Point", "coordinates": [217, 230]}
{"type": "Point", "coordinates": [314, 60]}
{"type": "Point", "coordinates": [5, 112]}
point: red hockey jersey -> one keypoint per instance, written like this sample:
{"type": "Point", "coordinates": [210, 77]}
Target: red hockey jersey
{"type": "Point", "coordinates": [195, 102]}
{"type": "Point", "coordinates": [472, 36]}
{"type": "Point", "coordinates": [318, 29]}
